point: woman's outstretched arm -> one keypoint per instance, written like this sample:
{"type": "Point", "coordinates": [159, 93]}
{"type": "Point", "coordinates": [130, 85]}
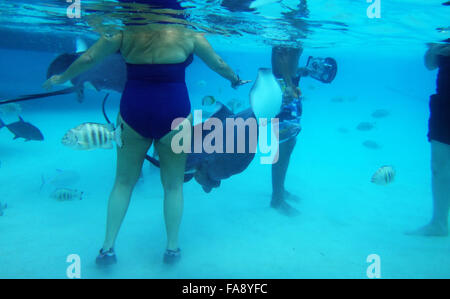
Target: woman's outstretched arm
{"type": "Point", "coordinates": [204, 50]}
{"type": "Point", "coordinates": [97, 52]}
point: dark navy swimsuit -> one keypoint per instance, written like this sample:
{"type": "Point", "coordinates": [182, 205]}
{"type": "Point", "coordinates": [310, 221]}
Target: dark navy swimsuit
{"type": "Point", "coordinates": [154, 96]}
{"type": "Point", "coordinates": [439, 123]}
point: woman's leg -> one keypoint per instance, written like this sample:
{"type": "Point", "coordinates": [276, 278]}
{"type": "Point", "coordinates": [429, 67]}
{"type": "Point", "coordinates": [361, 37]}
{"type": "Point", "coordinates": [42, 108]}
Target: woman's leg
{"type": "Point", "coordinates": [440, 170]}
{"type": "Point", "coordinates": [129, 164]}
{"type": "Point", "coordinates": [172, 178]}
{"type": "Point", "coordinates": [279, 170]}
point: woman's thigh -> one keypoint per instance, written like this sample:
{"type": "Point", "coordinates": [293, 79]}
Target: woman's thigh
{"type": "Point", "coordinates": [131, 155]}
{"type": "Point", "coordinates": [172, 164]}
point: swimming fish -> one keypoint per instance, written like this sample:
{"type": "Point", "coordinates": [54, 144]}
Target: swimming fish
{"type": "Point", "coordinates": [64, 194]}
{"type": "Point", "coordinates": [371, 144]}
{"type": "Point", "coordinates": [89, 136]}
{"type": "Point", "coordinates": [380, 113]}
{"type": "Point", "coordinates": [12, 108]}
{"type": "Point", "coordinates": [266, 95]}
{"type": "Point", "coordinates": [383, 176]}
{"type": "Point", "coordinates": [2, 207]}
{"type": "Point", "coordinates": [22, 129]}
{"type": "Point", "coordinates": [208, 100]}
{"type": "Point", "coordinates": [365, 126]}
{"type": "Point", "coordinates": [343, 130]}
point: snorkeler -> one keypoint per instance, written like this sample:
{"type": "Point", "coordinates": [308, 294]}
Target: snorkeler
{"type": "Point", "coordinates": [438, 56]}
{"type": "Point", "coordinates": [155, 95]}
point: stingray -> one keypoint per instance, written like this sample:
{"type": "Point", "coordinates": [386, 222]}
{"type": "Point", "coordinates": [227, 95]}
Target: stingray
{"type": "Point", "coordinates": [109, 74]}
{"type": "Point", "coordinates": [209, 169]}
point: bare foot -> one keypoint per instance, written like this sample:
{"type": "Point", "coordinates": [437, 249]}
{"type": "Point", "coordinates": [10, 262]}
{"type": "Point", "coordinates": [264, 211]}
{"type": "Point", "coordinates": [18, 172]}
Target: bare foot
{"type": "Point", "coordinates": [284, 208]}
{"type": "Point", "coordinates": [430, 230]}
{"type": "Point", "coordinates": [291, 197]}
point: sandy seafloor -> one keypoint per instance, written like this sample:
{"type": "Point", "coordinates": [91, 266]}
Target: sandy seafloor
{"type": "Point", "coordinates": [232, 232]}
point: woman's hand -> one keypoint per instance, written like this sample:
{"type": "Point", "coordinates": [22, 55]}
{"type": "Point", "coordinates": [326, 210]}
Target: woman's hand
{"type": "Point", "coordinates": [53, 80]}
{"type": "Point", "coordinates": [238, 82]}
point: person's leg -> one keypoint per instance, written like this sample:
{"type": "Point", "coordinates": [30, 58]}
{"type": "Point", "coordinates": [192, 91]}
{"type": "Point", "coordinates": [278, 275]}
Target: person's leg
{"type": "Point", "coordinates": [440, 168]}
{"type": "Point", "coordinates": [172, 178]}
{"type": "Point", "coordinates": [129, 164]}
{"type": "Point", "coordinates": [279, 170]}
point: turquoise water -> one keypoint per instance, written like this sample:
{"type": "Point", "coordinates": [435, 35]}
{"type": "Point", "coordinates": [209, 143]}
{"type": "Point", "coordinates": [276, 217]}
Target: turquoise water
{"type": "Point", "coordinates": [232, 232]}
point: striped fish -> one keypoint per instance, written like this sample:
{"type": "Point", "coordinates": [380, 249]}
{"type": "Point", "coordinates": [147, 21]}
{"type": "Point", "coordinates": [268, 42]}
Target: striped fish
{"type": "Point", "coordinates": [90, 136]}
{"type": "Point", "coordinates": [64, 194]}
{"type": "Point", "coordinates": [383, 176]}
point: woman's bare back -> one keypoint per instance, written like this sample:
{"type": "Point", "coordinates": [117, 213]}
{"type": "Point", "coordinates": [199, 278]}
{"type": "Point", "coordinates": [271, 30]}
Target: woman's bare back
{"type": "Point", "coordinates": [157, 44]}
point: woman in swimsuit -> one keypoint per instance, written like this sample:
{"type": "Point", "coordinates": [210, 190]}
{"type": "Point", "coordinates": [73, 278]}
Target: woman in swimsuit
{"type": "Point", "coordinates": [155, 95]}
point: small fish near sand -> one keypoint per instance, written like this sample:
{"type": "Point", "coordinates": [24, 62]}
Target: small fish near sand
{"type": "Point", "coordinates": [10, 109]}
{"type": "Point", "coordinates": [22, 129]}
{"type": "Point", "coordinates": [380, 113]}
{"type": "Point", "coordinates": [89, 136]}
{"type": "Point", "coordinates": [65, 194]}
{"type": "Point", "coordinates": [365, 126]}
{"type": "Point", "coordinates": [208, 101]}
{"type": "Point", "coordinates": [2, 207]}
{"type": "Point", "coordinates": [371, 144]}
{"type": "Point", "coordinates": [384, 176]}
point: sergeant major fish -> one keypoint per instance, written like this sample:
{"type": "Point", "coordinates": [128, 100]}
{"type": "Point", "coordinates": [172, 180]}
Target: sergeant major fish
{"type": "Point", "coordinates": [90, 136]}
{"type": "Point", "coordinates": [384, 176]}
{"type": "Point", "coordinates": [64, 194]}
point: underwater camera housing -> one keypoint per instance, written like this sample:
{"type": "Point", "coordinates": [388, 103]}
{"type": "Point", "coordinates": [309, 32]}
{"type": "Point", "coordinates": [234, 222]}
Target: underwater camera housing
{"type": "Point", "coordinates": [322, 69]}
